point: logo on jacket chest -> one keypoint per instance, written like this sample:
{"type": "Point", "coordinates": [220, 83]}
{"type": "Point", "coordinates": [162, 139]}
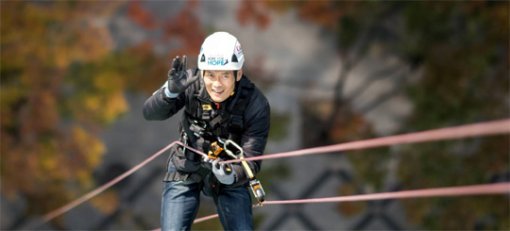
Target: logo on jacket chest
{"type": "Point", "coordinates": [206, 107]}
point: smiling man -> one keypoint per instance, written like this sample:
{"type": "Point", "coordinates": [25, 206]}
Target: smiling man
{"type": "Point", "coordinates": [220, 104]}
{"type": "Point", "coordinates": [220, 84]}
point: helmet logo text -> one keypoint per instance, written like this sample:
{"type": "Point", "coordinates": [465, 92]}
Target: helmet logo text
{"type": "Point", "coordinates": [217, 61]}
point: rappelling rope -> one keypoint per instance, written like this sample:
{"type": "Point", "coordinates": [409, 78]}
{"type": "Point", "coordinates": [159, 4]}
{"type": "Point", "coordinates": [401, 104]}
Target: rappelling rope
{"type": "Point", "coordinates": [479, 129]}
{"type": "Point", "coordinates": [57, 212]}
{"type": "Point", "coordinates": [484, 189]}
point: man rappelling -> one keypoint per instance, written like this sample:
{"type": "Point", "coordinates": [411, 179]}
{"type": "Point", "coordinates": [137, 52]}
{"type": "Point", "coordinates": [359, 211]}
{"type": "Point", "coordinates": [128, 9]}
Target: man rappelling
{"type": "Point", "coordinates": [226, 116]}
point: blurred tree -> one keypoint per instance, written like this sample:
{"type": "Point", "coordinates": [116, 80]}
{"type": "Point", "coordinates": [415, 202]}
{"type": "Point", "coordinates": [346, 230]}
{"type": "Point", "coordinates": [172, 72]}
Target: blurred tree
{"type": "Point", "coordinates": [462, 49]}
{"type": "Point", "coordinates": [253, 11]}
{"type": "Point", "coordinates": [46, 159]}
{"type": "Point", "coordinates": [181, 28]}
{"type": "Point", "coordinates": [356, 27]}
{"type": "Point", "coordinates": [61, 83]}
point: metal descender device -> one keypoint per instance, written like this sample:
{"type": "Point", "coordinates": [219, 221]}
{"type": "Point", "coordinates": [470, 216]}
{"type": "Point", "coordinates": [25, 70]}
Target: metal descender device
{"type": "Point", "coordinates": [255, 185]}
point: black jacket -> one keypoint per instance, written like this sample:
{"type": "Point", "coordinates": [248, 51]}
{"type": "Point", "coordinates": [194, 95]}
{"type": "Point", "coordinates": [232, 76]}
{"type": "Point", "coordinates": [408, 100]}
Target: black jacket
{"type": "Point", "coordinates": [256, 118]}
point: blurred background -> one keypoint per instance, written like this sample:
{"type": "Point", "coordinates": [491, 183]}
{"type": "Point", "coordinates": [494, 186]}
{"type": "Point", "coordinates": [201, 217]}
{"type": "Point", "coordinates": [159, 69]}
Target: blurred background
{"type": "Point", "coordinates": [75, 75]}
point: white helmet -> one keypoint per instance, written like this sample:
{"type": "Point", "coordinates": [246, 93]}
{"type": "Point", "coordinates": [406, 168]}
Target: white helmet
{"type": "Point", "coordinates": [220, 51]}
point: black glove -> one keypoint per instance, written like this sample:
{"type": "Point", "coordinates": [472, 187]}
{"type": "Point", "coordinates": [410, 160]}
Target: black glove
{"type": "Point", "coordinates": [179, 78]}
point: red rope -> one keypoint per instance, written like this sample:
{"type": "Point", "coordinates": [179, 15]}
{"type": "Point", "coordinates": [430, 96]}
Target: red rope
{"type": "Point", "coordinates": [205, 218]}
{"type": "Point", "coordinates": [480, 129]}
{"type": "Point", "coordinates": [485, 189]}
{"type": "Point", "coordinates": [57, 212]}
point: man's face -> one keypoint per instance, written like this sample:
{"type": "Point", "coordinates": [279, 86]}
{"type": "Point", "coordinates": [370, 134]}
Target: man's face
{"type": "Point", "coordinates": [220, 84]}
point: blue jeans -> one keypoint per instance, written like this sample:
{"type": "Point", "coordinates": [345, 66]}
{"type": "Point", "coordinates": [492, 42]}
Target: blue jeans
{"type": "Point", "coordinates": [180, 202]}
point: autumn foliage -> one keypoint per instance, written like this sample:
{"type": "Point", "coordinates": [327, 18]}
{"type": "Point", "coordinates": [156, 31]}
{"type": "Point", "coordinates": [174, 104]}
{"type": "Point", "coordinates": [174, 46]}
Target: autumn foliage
{"type": "Point", "coordinates": [62, 82]}
{"type": "Point", "coordinates": [48, 145]}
